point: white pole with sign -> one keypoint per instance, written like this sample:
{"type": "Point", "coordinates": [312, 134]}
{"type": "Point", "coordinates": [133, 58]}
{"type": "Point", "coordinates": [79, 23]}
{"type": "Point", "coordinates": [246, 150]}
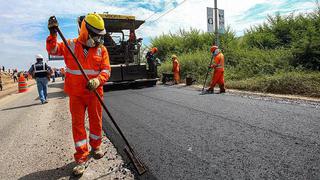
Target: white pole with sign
{"type": "Point", "coordinates": [210, 20]}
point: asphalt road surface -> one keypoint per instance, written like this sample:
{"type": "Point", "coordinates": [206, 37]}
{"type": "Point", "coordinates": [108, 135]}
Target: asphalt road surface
{"type": "Point", "coordinates": [179, 134]}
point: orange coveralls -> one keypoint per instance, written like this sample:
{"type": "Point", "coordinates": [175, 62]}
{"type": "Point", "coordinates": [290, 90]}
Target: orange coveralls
{"type": "Point", "coordinates": [218, 74]}
{"type": "Point", "coordinates": [95, 62]}
{"type": "Point", "coordinates": [176, 70]}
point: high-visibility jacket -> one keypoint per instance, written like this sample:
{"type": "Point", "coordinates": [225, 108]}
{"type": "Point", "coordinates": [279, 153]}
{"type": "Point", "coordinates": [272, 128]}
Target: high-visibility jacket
{"type": "Point", "coordinates": [176, 66]}
{"type": "Point", "coordinates": [218, 63]}
{"type": "Point", "coordinates": [39, 69]}
{"type": "Point", "coordinates": [95, 62]}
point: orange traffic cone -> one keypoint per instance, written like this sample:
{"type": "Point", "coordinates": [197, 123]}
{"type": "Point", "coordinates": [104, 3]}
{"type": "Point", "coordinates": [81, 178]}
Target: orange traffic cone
{"type": "Point", "coordinates": [22, 84]}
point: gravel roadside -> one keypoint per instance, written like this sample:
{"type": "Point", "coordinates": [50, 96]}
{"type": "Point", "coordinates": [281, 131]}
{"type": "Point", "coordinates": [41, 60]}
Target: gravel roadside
{"type": "Point", "coordinates": [37, 140]}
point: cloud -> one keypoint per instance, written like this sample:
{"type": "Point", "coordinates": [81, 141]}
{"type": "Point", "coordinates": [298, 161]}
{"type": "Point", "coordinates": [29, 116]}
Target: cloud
{"type": "Point", "coordinates": [23, 23]}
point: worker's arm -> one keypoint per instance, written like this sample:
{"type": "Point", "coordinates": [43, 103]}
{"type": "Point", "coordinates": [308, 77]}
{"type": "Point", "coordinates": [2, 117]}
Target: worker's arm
{"type": "Point", "coordinates": [105, 68]}
{"type": "Point", "coordinates": [219, 62]}
{"type": "Point", "coordinates": [48, 68]}
{"type": "Point", "coordinates": [53, 47]}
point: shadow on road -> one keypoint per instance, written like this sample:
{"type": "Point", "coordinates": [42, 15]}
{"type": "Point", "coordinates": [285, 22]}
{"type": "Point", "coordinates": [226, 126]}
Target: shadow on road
{"type": "Point", "coordinates": [18, 107]}
{"type": "Point", "coordinates": [55, 95]}
{"type": "Point", "coordinates": [59, 95]}
{"type": "Point", "coordinates": [56, 85]}
{"type": "Point", "coordinates": [57, 173]}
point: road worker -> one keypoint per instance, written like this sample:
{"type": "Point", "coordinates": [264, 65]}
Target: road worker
{"type": "Point", "coordinates": [94, 58]}
{"type": "Point", "coordinates": [63, 73]}
{"type": "Point", "coordinates": [40, 71]}
{"type": "Point", "coordinates": [218, 73]}
{"type": "Point", "coordinates": [175, 69]}
{"type": "Point", "coordinates": [152, 62]}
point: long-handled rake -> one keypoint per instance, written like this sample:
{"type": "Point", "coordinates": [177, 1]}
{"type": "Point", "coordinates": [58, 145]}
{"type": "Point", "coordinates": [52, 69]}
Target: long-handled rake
{"type": "Point", "coordinates": [206, 77]}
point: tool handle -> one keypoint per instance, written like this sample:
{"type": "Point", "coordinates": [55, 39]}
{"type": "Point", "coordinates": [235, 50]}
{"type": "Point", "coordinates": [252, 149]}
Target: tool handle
{"type": "Point", "coordinates": [95, 92]}
{"type": "Point", "coordinates": [205, 80]}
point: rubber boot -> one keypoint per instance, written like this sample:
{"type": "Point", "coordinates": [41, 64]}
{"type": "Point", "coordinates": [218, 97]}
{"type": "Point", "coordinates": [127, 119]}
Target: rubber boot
{"type": "Point", "coordinates": [97, 153]}
{"type": "Point", "coordinates": [222, 89]}
{"type": "Point", "coordinates": [209, 91]}
{"type": "Point", "coordinates": [79, 169]}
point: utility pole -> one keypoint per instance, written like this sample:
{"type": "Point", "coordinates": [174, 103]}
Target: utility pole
{"type": "Point", "coordinates": [216, 23]}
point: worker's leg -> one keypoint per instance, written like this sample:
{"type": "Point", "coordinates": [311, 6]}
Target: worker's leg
{"type": "Point", "coordinates": [95, 122]}
{"type": "Point", "coordinates": [221, 83]}
{"type": "Point", "coordinates": [45, 87]}
{"type": "Point", "coordinates": [77, 109]}
{"type": "Point", "coordinates": [176, 77]}
{"type": "Point", "coordinates": [214, 80]}
{"type": "Point", "coordinates": [40, 90]}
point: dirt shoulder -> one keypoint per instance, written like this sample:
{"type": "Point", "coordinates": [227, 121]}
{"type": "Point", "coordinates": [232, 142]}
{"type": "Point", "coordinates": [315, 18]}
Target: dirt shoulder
{"type": "Point", "coordinates": [10, 87]}
{"type": "Point", "coordinates": [37, 140]}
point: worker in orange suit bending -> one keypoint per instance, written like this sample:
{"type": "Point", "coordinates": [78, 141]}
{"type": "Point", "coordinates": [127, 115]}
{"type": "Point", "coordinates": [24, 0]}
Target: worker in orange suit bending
{"type": "Point", "coordinates": [218, 73]}
{"type": "Point", "coordinates": [94, 58]}
{"type": "Point", "coordinates": [175, 69]}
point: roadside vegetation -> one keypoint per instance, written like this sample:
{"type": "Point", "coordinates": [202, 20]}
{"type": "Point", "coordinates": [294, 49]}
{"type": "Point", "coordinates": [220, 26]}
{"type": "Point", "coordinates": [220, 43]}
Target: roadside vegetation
{"type": "Point", "coordinates": [281, 55]}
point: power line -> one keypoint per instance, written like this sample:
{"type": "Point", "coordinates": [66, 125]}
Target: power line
{"type": "Point", "coordinates": [157, 12]}
{"type": "Point", "coordinates": [168, 11]}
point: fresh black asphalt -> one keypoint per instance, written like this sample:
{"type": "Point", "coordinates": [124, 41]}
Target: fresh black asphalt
{"type": "Point", "coordinates": [180, 134]}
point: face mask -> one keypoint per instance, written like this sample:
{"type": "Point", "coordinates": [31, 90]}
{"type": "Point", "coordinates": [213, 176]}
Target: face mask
{"type": "Point", "coordinates": [94, 41]}
{"type": "Point", "coordinates": [216, 52]}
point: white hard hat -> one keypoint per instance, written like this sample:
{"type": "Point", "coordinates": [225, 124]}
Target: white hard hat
{"type": "Point", "coordinates": [39, 56]}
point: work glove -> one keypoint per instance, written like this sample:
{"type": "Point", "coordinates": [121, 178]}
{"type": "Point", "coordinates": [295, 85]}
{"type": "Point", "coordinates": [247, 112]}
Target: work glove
{"type": "Point", "coordinates": [93, 84]}
{"type": "Point", "coordinates": [52, 25]}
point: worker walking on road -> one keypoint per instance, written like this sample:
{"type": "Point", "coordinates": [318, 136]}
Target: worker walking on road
{"type": "Point", "coordinates": [94, 58]}
{"type": "Point", "coordinates": [40, 71]}
{"type": "Point", "coordinates": [218, 66]}
{"type": "Point", "coordinates": [152, 62]}
{"type": "Point", "coordinates": [175, 69]}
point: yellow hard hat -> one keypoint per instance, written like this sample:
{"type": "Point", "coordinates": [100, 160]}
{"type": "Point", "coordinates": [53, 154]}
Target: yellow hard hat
{"type": "Point", "coordinates": [95, 23]}
{"type": "Point", "coordinates": [174, 56]}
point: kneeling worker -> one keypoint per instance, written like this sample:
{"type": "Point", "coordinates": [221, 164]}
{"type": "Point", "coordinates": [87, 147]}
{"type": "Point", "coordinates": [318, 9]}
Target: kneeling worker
{"type": "Point", "coordinates": [218, 66]}
{"type": "Point", "coordinates": [175, 69]}
{"type": "Point", "coordinates": [94, 58]}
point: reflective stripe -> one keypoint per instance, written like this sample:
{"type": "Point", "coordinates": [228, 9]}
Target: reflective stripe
{"type": "Point", "coordinates": [87, 71]}
{"type": "Point", "coordinates": [95, 137]}
{"type": "Point", "coordinates": [105, 71]}
{"type": "Point", "coordinates": [42, 70]}
{"type": "Point", "coordinates": [80, 143]}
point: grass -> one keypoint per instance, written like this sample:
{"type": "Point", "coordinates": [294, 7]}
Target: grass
{"type": "Point", "coordinates": [295, 83]}
{"type": "Point", "coordinates": [259, 75]}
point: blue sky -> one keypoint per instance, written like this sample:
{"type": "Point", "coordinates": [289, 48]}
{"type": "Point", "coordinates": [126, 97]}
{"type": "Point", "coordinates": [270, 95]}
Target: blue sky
{"type": "Point", "coordinates": [23, 22]}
